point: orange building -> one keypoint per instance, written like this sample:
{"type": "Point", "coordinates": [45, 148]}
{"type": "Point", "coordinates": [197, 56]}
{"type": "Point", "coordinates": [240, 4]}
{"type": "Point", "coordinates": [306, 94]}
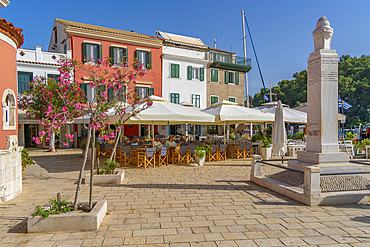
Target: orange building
{"type": "Point", "coordinates": [11, 38]}
{"type": "Point", "coordinates": [95, 42]}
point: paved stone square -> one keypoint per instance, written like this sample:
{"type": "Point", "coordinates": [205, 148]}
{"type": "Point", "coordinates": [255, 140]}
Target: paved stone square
{"type": "Point", "coordinates": [214, 205]}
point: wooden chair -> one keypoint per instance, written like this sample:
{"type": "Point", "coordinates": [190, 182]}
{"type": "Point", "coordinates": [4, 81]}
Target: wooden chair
{"type": "Point", "coordinates": [248, 150]}
{"type": "Point", "coordinates": [124, 155]}
{"type": "Point", "coordinates": [222, 152]}
{"type": "Point", "coordinates": [191, 153]}
{"type": "Point", "coordinates": [108, 150]}
{"type": "Point", "coordinates": [146, 158]}
{"type": "Point", "coordinates": [213, 154]}
{"type": "Point", "coordinates": [184, 155]}
{"type": "Point", "coordinates": [241, 151]}
{"type": "Point", "coordinates": [234, 150]}
{"type": "Point", "coordinates": [162, 156]}
{"type": "Point", "coordinates": [100, 151]}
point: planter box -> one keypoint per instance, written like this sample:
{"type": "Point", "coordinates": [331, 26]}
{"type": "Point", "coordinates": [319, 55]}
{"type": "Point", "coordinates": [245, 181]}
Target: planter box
{"type": "Point", "coordinates": [266, 153]}
{"type": "Point", "coordinates": [69, 222]}
{"type": "Point", "coordinates": [116, 178]}
{"type": "Point", "coordinates": [201, 161]}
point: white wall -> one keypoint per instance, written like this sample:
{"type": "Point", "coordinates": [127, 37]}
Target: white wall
{"type": "Point", "coordinates": [182, 85]}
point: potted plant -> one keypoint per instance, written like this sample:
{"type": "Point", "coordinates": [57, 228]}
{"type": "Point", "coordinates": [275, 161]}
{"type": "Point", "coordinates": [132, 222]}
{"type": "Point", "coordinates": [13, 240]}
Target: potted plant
{"type": "Point", "coordinates": [356, 146]}
{"type": "Point", "coordinates": [364, 143]}
{"type": "Point", "coordinates": [201, 153]}
{"type": "Point", "coordinates": [266, 149]}
{"type": "Point", "coordinates": [26, 160]}
{"type": "Point", "coordinates": [107, 174]}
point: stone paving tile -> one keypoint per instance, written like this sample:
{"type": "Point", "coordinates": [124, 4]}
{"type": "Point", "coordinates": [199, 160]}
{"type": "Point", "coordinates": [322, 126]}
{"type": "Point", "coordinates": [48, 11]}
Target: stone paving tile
{"type": "Point", "coordinates": [182, 206]}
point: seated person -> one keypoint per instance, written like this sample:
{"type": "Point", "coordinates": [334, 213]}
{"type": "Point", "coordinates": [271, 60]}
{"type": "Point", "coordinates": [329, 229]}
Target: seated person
{"type": "Point", "coordinates": [157, 143]}
{"type": "Point", "coordinates": [181, 141]}
{"type": "Point", "coordinates": [170, 142]}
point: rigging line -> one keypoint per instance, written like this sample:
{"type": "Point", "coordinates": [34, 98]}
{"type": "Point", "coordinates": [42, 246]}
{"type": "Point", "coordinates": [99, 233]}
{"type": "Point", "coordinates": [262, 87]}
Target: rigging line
{"type": "Point", "coordinates": [255, 54]}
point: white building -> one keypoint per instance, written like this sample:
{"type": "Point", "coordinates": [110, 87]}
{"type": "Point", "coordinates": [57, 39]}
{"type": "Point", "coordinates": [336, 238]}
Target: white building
{"type": "Point", "coordinates": [184, 75]}
{"type": "Point", "coordinates": [32, 63]}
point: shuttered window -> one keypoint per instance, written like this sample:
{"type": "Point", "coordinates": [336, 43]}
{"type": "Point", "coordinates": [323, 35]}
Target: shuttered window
{"type": "Point", "coordinates": [91, 52]}
{"type": "Point", "coordinates": [214, 75]}
{"type": "Point", "coordinates": [236, 78]}
{"type": "Point", "coordinates": [118, 55]}
{"type": "Point", "coordinates": [23, 79]}
{"type": "Point", "coordinates": [232, 99]}
{"type": "Point", "coordinates": [201, 74]}
{"type": "Point", "coordinates": [145, 57]}
{"type": "Point", "coordinates": [175, 98]}
{"type": "Point", "coordinates": [175, 70]}
{"type": "Point", "coordinates": [195, 98]}
{"type": "Point", "coordinates": [214, 99]}
{"type": "Point", "coordinates": [227, 79]}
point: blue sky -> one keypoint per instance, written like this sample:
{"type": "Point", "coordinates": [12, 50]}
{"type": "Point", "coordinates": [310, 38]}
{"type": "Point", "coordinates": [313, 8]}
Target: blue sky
{"type": "Point", "coordinates": [281, 30]}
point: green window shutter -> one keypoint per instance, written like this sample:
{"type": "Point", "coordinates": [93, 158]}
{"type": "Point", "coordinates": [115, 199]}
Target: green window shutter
{"type": "Point", "coordinates": [137, 54]}
{"type": "Point", "coordinates": [83, 87]}
{"type": "Point", "coordinates": [190, 72]}
{"type": "Point", "coordinates": [232, 99]}
{"type": "Point", "coordinates": [236, 78]}
{"type": "Point", "coordinates": [137, 90]}
{"type": "Point", "coordinates": [226, 77]}
{"type": "Point", "coordinates": [110, 93]}
{"type": "Point", "coordinates": [83, 51]}
{"type": "Point", "coordinates": [23, 79]}
{"type": "Point", "coordinates": [216, 75]}
{"type": "Point", "coordinates": [201, 74]}
{"type": "Point", "coordinates": [177, 70]}
{"type": "Point", "coordinates": [125, 55]}
{"type": "Point", "coordinates": [112, 55]}
{"type": "Point", "coordinates": [149, 65]}
{"type": "Point", "coordinates": [173, 70]}
{"type": "Point", "coordinates": [151, 91]}
{"type": "Point", "coordinates": [100, 53]}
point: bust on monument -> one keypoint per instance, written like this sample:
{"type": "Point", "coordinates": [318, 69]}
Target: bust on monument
{"type": "Point", "coordinates": [322, 34]}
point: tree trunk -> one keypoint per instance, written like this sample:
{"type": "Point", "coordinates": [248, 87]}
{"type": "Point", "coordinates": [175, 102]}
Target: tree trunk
{"type": "Point", "coordinates": [82, 168]}
{"type": "Point", "coordinates": [115, 145]}
{"type": "Point", "coordinates": [92, 169]}
{"type": "Point", "coordinates": [52, 143]}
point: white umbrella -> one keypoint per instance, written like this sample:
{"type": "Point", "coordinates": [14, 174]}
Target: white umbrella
{"type": "Point", "coordinates": [290, 115]}
{"type": "Point", "coordinates": [163, 112]}
{"type": "Point", "coordinates": [227, 111]}
{"type": "Point", "coordinates": [279, 139]}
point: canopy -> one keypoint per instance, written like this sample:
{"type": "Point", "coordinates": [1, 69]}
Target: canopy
{"type": "Point", "coordinates": [227, 111]}
{"type": "Point", "coordinates": [163, 112]}
{"type": "Point", "coordinates": [279, 139]}
{"type": "Point", "coordinates": [290, 115]}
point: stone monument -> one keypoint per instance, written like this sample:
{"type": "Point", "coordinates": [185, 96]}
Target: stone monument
{"type": "Point", "coordinates": [322, 107]}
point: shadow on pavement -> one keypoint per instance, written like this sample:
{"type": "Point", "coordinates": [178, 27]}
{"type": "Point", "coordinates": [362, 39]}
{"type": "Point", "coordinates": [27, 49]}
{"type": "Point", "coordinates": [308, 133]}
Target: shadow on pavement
{"type": "Point", "coordinates": [61, 163]}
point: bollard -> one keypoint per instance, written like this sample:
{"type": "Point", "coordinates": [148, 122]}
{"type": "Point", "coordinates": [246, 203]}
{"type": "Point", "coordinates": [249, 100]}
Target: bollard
{"type": "Point", "coordinates": [256, 166]}
{"type": "Point", "coordinates": [58, 201]}
{"type": "Point", "coordinates": [312, 181]}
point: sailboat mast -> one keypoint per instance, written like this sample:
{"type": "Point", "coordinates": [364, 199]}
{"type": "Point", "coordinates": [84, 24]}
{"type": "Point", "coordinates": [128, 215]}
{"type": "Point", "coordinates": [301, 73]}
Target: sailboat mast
{"type": "Point", "coordinates": [246, 97]}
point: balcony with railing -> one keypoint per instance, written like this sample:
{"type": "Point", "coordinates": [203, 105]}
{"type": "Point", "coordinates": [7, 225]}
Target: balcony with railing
{"type": "Point", "coordinates": [229, 61]}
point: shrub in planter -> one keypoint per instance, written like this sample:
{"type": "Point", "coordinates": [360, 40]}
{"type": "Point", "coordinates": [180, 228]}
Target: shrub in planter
{"type": "Point", "coordinates": [266, 149]}
{"type": "Point", "coordinates": [26, 159]}
{"type": "Point", "coordinates": [109, 167]}
{"type": "Point", "coordinates": [201, 153]}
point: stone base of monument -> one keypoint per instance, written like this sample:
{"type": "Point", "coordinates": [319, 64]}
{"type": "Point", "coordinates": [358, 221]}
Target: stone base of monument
{"type": "Point", "coordinates": [311, 193]}
{"type": "Point", "coordinates": [327, 162]}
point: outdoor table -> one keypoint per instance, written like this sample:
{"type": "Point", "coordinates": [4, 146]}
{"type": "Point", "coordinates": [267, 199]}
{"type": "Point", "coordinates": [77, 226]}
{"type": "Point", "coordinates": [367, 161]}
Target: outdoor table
{"type": "Point", "coordinates": [292, 148]}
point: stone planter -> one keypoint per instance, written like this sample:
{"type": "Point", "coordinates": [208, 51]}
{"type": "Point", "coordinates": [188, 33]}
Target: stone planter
{"type": "Point", "coordinates": [266, 153]}
{"type": "Point", "coordinates": [69, 222]}
{"type": "Point", "coordinates": [115, 178]}
{"type": "Point", "coordinates": [200, 161]}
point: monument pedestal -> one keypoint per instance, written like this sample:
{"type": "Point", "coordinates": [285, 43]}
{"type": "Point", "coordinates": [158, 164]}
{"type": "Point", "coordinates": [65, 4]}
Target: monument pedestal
{"type": "Point", "coordinates": [328, 162]}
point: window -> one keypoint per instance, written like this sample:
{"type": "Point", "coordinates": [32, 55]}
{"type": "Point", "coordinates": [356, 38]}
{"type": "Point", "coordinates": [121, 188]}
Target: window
{"type": "Point", "coordinates": [175, 98]}
{"type": "Point", "coordinates": [144, 91]}
{"type": "Point", "coordinates": [55, 77]}
{"type": "Point", "coordinates": [23, 79]}
{"type": "Point", "coordinates": [65, 48]}
{"type": "Point", "coordinates": [214, 99]}
{"type": "Point", "coordinates": [214, 75]}
{"type": "Point", "coordinates": [231, 77]}
{"type": "Point", "coordinates": [118, 55]}
{"type": "Point", "coordinates": [145, 57]}
{"type": "Point", "coordinates": [88, 91]}
{"type": "Point", "coordinates": [195, 73]}
{"type": "Point", "coordinates": [175, 70]}
{"type": "Point", "coordinates": [8, 104]}
{"type": "Point", "coordinates": [55, 36]}
{"type": "Point", "coordinates": [91, 51]}
{"type": "Point", "coordinates": [232, 99]}
{"type": "Point", "coordinates": [195, 100]}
